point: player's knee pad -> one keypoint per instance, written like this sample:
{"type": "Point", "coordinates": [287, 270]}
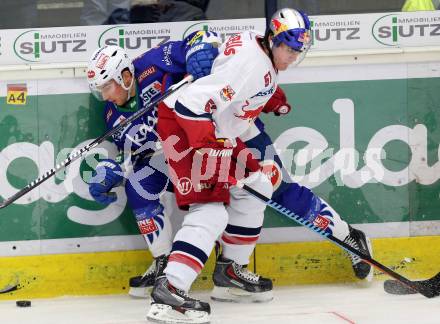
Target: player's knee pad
{"type": "Point", "coordinates": [202, 226]}
{"type": "Point", "coordinates": [242, 200]}
{"type": "Point", "coordinates": [260, 182]}
{"type": "Point", "coordinates": [150, 220]}
{"type": "Point", "coordinates": [210, 216]}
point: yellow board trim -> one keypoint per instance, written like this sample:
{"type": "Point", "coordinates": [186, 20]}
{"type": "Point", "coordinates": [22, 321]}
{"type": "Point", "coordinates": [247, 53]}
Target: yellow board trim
{"type": "Point", "coordinates": [286, 263]}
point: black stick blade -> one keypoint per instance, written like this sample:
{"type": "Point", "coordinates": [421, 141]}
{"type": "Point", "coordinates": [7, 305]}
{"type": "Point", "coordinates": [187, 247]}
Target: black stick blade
{"type": "Point", "coordinates": [9, 288]}
{"type": "Point", "coordinates": [431, 285]}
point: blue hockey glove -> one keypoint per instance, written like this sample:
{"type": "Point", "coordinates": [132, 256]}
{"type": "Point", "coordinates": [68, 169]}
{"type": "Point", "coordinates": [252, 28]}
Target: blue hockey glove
{"type": "Point", "coordinates": [107, 175]}
{"type": "Point", "coordinates": [201, 51]}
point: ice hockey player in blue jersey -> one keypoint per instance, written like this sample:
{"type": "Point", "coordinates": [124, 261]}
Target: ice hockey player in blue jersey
{"type": "Point", "coordinates": [127, 86]}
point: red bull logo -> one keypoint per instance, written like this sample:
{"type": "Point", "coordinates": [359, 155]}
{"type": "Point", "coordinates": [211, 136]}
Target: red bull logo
{"type": "Point", "coordinates": [227, 93]}
{"type": "Point", "coordinates": [249, 114]}
{"type": "Point", "coordinates": [278, 26]}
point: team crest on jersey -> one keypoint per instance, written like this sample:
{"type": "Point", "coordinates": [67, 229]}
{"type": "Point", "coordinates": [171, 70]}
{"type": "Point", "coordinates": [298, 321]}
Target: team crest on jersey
{"type": "Point", "coordinates": [151, 91]}
{"type": "Point", "coordinates": [102, 61]}
{"type": "Point", "coordinates": [146, 73]}
{"type": "Point", "coordinates": [249, 114]}
{"type": "Point", "coordinates": [321, 222]}
{"type": "Point", "coordinates": [184, 185]}
{"type": "Point", "coordinates": [272, 171]}
{"type": "Point", "coordinates": [227, 93]}
{"type": "Point", "coordinates": [210, 106]}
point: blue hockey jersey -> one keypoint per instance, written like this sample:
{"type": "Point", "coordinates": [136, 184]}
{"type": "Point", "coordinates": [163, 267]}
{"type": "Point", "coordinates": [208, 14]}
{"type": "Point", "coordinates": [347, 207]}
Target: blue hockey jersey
{"type": "Point", "coordinates": [155, 71]}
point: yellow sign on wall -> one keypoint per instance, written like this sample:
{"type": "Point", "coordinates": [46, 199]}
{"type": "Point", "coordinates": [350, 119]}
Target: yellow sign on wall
{"type": "Point", "coordinates": [16, 94]}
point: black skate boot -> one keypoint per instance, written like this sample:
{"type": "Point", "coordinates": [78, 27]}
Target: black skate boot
{"type": "Point", "coordinates": [358, 240]}
{"type": "Point", "coordinates": [172, 305]}
{"type": "Point", "coordinates": [235, 283]}
{"type": "Point", "coordinates": [141, 286]}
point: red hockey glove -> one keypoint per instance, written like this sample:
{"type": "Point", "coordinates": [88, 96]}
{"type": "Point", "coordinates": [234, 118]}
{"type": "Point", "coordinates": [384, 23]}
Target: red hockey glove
{"type": "Point", "coordinates": [277, 103]}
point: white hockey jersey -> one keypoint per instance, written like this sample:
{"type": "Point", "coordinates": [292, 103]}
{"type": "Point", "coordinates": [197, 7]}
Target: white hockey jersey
{"type": "Point", "coordinates": [242, 80]}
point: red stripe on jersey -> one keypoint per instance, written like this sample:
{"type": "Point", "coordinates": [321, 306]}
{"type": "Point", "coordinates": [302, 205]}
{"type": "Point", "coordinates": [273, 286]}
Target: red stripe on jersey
{"type": "Point", "coordinates": [186, 260]}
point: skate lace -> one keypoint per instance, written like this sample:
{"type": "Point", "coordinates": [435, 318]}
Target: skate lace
{"type": "Point", "coordinates": [184, 294]}
{"type": "Point", "coordinates": [244, 273]}
{"type": "Point", "coordinates": [161, 263]}
{"type": "Point", "coordinates": [150, 271]}
{"type": "Point", "coordinates": [354, 244]}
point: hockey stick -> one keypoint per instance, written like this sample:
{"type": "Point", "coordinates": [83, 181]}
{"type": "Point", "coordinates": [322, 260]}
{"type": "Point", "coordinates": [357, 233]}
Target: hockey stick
{"type": "Point", "coordinates": [77, 154]}
{"type": "Point", "coordinates": [396, 288]}
{"type": "Point", "coordinates": [9, 288]}
{"type": "Point", "coordinates": [420, 287]}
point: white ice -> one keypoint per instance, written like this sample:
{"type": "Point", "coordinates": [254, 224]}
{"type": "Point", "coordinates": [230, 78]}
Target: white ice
{"type": "Point", "coordinates": [329, 304]}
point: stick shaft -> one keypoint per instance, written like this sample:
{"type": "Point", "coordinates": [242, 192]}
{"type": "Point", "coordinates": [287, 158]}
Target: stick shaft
{"type": "Point", "coordinates": [77, 154]}
{"type": "Point", "coordinates": [422, 289]}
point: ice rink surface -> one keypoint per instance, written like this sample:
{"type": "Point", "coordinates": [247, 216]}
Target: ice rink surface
{"type": "Point", "coordinates": [329, 304]}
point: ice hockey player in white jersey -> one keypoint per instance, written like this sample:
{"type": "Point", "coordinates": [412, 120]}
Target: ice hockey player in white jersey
{"type": "Point", "coordinates": [199, 136]}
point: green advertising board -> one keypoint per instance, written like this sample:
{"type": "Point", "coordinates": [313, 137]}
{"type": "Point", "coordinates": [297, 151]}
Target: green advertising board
{"type": "Point", "coordinates": [340, 123]}
{"type": "Point", "coordinates": [400, 115]}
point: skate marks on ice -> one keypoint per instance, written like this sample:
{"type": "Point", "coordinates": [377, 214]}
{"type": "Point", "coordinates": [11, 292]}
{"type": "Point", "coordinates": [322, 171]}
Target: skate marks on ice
{"type": "Point", "coordinates": [330, 304]}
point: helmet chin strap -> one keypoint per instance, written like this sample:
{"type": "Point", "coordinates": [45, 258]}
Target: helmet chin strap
{"type": "Point", "coordinates": [128, 89]}
{"type": "Point", "coordinates": [270, 51]}
{"type": "Point", "coordinates": [270, 44]}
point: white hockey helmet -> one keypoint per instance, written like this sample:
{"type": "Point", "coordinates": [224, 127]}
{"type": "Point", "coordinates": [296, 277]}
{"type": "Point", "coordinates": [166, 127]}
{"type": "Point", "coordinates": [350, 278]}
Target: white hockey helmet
{"type": "Point", "coordinates": [106, 64]}
{"type": "Point", "coordinates": [291, 27]}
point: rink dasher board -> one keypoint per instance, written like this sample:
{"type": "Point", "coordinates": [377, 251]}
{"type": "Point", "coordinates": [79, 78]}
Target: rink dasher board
{"type": "Point", "coordinates": [97, 273]}
{"type": "Point", "coordinates": [58, 228]}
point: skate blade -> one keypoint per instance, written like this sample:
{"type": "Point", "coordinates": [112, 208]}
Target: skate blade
{"type": "Point", "coordinates": [368, 280]}
{"type": "Point", "coordinates": [140, 292]}
{"type": "Point", "coordinates": [161, 313]}
{"type": "Point", "coordinates": [237, 295]}
{"type": "Point", "coordinates": [370, 275]}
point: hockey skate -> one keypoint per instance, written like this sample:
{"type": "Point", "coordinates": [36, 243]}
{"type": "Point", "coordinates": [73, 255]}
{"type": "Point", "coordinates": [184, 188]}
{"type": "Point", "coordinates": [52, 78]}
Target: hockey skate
{"type": "Point", "coordinates": [358, 240]}
{"type": "Point", "coordinates": [141, 286]}
{"type": "Point", "coordinates": [235, 283]}
{"type": "Point", "coordinates": [172, 305]}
